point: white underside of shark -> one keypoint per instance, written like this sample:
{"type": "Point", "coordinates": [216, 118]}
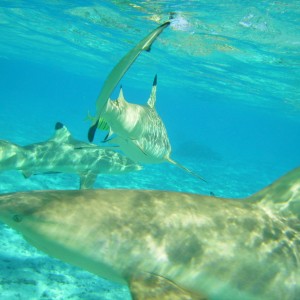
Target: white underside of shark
{"type": "Point", "coordinates": [64, 154]}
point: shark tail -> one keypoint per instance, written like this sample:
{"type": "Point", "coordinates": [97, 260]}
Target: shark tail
{"type": "Point", "coordinates": [184, 168]}
{"type": "Point", "coordinates": [282, 196]}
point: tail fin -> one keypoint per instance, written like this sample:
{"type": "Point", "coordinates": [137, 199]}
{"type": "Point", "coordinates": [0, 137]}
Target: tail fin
{"type": "Point", "coordinates": [283, 195]}
{"type": "Point", "coordinates": [184, 168]}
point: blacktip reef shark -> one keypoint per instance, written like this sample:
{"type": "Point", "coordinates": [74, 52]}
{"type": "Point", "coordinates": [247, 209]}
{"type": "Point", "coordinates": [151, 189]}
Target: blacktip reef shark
{"type": "Point", "coordinates": [139, 131]}
{"type": "Point", "coordinates": [171, 246]}
{"type": "Point", "coordinates": [118, 72]}
{"type": "Point", "coordinates": [64, 154]}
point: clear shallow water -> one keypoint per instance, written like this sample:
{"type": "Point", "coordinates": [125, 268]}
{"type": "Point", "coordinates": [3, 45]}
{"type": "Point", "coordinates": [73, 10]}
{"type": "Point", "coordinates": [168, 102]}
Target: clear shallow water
{"type": "Point", "coordinates": [228, 92]}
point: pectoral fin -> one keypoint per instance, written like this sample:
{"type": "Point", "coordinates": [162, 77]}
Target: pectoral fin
{"type": "Point", "coordinates": [153, 287]}
{"type": "Point", "coordinates": [87, 180]}
{"type": "Point", "coordinates": [120, 141]}
{"type": "Point", "coordinates": [184, 168]}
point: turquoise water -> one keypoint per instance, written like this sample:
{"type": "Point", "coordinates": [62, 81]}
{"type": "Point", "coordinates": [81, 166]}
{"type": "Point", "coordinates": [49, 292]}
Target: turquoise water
{"type": "Point", "coordinates": [228, 93]}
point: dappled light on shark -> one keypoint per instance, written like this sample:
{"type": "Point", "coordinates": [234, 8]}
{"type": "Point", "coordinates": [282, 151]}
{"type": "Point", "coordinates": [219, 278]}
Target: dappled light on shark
{"type": "Point", "coordinates": [168, 245]}
{"type": "Point", "coordinates": [64, 154]}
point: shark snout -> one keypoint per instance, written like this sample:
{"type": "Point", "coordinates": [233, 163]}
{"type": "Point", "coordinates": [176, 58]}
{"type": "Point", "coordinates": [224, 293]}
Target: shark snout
{"type": "Point", "coordinates": [15, 208]}
{"type": "Point", "coordinates": [6, 210]}
{"type": "Point", "coordinates": [9, 154]}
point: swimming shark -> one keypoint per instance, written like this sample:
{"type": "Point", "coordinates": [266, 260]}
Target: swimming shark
{"type": "Point", "coordinates": [118, 72]}
{"type": "Point", "coordinates": [139, 131]}
{"type": "Point", "coordinates": [168, 245]}
{"type": "Point", "coordinates": [64, 154]}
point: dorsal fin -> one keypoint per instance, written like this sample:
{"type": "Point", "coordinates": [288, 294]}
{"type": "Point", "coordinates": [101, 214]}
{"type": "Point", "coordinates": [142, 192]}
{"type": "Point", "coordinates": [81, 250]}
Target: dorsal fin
{"type": "Point", "coordinates": [62, 134]}
{"type": "Point", "coordinates": [152, 99]}
{"type": "Point", "coordinates": [121, 95]}
{"type": "Point", "coordinates": [283, 195]}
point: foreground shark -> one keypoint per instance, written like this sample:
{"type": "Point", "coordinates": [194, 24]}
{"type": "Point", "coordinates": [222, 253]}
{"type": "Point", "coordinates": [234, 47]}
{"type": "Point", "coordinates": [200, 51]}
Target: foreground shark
{"type": "Point", "coordinates": [168, 245]}
{"type": "Point", "coordinates": [64, 154]}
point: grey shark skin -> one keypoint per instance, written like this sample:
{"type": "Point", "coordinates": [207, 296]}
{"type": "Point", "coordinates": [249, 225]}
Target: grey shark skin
{"type": "Point", "coordinates": [118, 72]}
{"type": "Point", "coordinates": [64, 154]}
{"type": "Point", "coordinates": [168, 245]}
{"type": "Point", "coordinates": [139, 131]}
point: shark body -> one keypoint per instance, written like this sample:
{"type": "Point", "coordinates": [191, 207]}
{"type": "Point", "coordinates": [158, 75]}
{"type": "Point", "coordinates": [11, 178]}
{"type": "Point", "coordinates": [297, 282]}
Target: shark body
{"type": "Point", "coordinates": [139, 131]}
{"type": "Point", "coordinates": [168, 245]}
{"type": "Point", "coordinates": [64, 154]}
{"type": "Point", "coordinates": [118, 72]}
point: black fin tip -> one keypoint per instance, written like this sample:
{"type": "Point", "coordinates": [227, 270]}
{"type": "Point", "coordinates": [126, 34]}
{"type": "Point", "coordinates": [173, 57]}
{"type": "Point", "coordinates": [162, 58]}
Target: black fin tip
{"type": "Point", "coordinates": [59, 125]}
{"type": "Point", "coordinates": [92, 131]}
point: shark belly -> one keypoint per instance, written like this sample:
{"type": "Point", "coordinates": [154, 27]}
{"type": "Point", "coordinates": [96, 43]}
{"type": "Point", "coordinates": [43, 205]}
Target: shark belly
{"type": "Point", "coordinates": [134, 150]}
{"type": "Point", "coordinates": [76, 251]}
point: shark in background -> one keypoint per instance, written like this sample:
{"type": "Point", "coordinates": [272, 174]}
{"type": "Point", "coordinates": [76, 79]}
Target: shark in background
{"type": "Point", "coordinates": [64, 154]}
{"type": "Point", "coordinates": [138, 129]}
{"type": "Point", "coordinates": [171, 246]}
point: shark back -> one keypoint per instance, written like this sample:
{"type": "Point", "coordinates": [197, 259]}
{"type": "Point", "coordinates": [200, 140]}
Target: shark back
{"type": "Point", "coordinates": [282, 196]}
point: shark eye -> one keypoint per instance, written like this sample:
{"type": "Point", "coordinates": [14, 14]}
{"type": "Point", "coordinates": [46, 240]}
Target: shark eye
{"type": "Point", "coordinates": [17, 218]}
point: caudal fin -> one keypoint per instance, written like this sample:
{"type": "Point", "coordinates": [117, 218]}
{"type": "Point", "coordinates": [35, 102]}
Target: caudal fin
{"type": "Point", "coordinates": [185, 169]}
{"type": "Point", "coordinates": [282, 196]}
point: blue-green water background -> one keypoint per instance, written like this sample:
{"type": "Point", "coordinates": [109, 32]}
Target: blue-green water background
{"type": "Point", "coordinates": [228, 93]}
